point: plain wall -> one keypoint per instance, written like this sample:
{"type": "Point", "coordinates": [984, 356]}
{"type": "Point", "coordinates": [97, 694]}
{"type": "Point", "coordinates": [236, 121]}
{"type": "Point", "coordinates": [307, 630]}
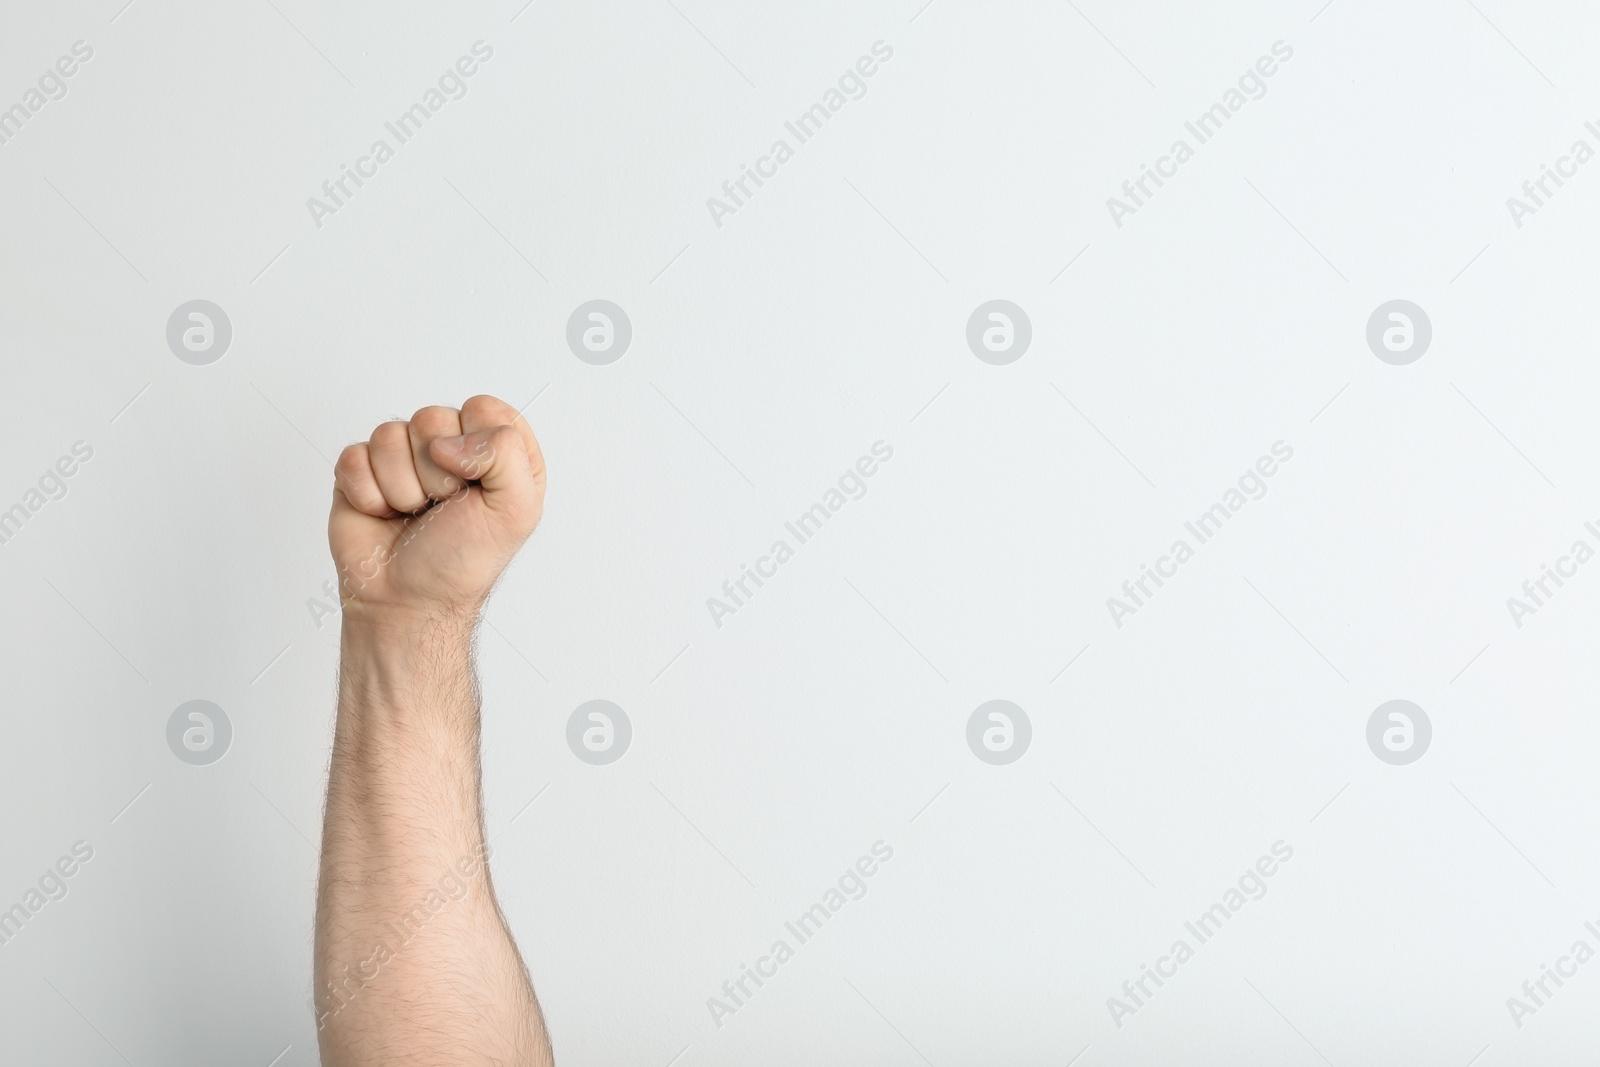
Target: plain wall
{"type": "Point", "coordinates": [772, 347]}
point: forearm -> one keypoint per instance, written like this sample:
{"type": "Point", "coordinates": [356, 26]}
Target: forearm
{"type": "Point", "coordinates": [414, 964]}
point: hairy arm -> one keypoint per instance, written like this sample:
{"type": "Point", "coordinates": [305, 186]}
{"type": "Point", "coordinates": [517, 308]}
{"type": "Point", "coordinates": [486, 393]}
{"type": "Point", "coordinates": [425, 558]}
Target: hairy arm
{"type": "Point", "coordinates": [414, 964]}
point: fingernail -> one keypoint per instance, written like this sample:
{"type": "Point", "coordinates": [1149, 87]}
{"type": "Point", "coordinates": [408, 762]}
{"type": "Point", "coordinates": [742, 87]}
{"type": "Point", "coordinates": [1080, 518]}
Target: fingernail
{"type": "Point", "coordinates": [451, 446]}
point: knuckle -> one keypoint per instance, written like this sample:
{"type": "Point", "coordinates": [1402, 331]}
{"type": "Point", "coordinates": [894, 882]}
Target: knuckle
{"type": "Point", "coordinates": [350, 461]}
{"type": "Point", "coordinates": [486, 408]}
{"type": "Point", "coordinates": [434, 421]}
{"type": "Point", "coordinates": [391, 436]}
{"type": "Point", "coordinates": [508, 441]}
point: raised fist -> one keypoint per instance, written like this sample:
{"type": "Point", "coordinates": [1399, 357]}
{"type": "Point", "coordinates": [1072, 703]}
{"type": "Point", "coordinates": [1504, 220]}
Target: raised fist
{"type": "Point", "coordinates": [428, 512]}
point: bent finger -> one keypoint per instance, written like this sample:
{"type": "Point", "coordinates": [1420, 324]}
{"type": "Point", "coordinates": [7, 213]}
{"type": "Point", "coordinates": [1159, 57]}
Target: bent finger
{"type": "Point", "coordinates": [425, 425]}
{"type": "Point", "coordinates": [395, 469]}
{"type": "Point", "coordinates": [353, 478]}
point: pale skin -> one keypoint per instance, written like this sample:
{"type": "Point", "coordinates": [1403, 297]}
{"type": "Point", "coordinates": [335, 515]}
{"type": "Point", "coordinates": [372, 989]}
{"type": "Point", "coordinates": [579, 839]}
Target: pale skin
{"type": "Point", "coordinates": [414, 964]}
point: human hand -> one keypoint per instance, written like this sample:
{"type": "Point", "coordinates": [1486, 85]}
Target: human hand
{"type": "Point", "coordinates": [427, 513]}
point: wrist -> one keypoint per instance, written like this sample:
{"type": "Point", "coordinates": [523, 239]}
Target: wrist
{"type": "Point", "coordinates": [403, 667]}
{"type": "Point", "coordinates": [389, 628]}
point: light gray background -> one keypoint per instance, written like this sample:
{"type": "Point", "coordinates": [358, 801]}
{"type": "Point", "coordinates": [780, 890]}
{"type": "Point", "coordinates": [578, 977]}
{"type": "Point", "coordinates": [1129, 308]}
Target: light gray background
{"type": "Point", "coordinates": [768, 354]}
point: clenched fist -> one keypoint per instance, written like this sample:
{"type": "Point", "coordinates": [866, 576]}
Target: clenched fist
{"type": "Point", "coordinates": [428, 512]}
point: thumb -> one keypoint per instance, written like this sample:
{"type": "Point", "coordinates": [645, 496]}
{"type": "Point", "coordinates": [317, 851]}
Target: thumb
{"type": "Point", "coordinates": [497, 459]}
